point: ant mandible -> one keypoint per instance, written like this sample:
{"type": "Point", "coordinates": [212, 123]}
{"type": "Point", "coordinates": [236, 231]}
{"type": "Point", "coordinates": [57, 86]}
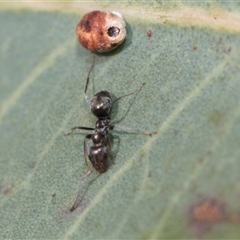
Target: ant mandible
{"type": "Point", "coordinates": [99, 154]}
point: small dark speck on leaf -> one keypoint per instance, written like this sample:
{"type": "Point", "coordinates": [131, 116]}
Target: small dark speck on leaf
{"type": "Point", "coordinates": [209, 153]}
{"type": "Point", "coordinates": [200, 160]}
{"type": "Point", "coordinates": [53, 198]}
{"type": "Point", "coordinates": [205, 156]}
{"type": "Point", "coordinates": [152, 133]}
{"type": "Point", "coordinates": [149, 33]}
{"type": "Point", "coordinates": [6, 189]}
{"type": "Point", "coordinates": [32, 165]}
{"type": "Point", "coordinates": [142, 153]}
{"type": "Point", "coordinates": [194, 48]}
{"type": "Point", "coordinates": [215, 118]}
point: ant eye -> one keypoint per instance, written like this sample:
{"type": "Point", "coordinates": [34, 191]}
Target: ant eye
{"type": "Point", "coordinates": [101, 31]}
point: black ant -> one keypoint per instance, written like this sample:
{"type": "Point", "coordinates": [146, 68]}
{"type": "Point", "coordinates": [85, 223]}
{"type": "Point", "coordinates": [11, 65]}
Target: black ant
{"type": "Point", "coordinates": [99, 154]}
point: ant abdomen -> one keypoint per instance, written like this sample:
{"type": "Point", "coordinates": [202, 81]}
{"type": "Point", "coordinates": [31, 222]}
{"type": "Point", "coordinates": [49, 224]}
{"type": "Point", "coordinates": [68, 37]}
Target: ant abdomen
{"type": "Point", "coordinates": [98, 156]}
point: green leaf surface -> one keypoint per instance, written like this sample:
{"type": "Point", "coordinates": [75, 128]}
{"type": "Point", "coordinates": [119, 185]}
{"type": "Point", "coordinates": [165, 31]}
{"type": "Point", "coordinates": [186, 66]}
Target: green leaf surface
{"type": "Point", "coordinates": [182, 182]}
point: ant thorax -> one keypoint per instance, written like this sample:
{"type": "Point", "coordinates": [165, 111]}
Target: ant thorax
{"type": "Point", "coordinates": [101, 104]}
{"type": "Point", "coordinates": [102, 125]}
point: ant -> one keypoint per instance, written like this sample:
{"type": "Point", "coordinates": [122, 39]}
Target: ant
{"type": "Point", "coordinates": [99, 154]}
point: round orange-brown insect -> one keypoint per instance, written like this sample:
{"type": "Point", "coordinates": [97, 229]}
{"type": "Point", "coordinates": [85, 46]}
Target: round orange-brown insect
{"type": "Point", "coordinates": [101, 31]}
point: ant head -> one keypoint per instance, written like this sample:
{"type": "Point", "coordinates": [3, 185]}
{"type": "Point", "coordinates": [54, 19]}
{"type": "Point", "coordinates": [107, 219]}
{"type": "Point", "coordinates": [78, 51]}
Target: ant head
{"type": "Point", "coordinates": [101, 104]}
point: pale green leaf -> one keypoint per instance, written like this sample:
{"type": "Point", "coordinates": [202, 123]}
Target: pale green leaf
{"type": "Point", "coordinates": [182, 182]}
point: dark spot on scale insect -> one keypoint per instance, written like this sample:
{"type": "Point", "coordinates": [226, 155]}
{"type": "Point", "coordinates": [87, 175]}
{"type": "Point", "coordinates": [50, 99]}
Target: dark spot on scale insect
{"type": "Point", "coordinates": [114, 45]}
{"type": "Point", "coordinates": [100, 153]}
{"type": "Point", "coordinates": [113, 31]}
{"type": "Point", "coordinates": [86, 26]}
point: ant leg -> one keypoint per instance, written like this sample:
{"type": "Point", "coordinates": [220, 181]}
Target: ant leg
{"type": "Point", "coordinates": [79, 127]}
{"type": "Point", "coordinates": [127, 129]}
{"type": "Point", "coordinates": [77, 201]}
{"type": "Point", "coordinates": [109, 145]}
{"type": "Point", "coordinates": [87, 82]}
{"type": "Point", "coordinates": [86, 155]}
{"type": "Point", "coordinates": [131, 130]}
{"type": "Point", "coordinates": [137, 90]}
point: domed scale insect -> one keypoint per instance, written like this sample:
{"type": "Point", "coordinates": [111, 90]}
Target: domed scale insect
{"type": "Point", "coordinates": [101, 31]}
{"type": "Point", "coordinates": [100, 153]}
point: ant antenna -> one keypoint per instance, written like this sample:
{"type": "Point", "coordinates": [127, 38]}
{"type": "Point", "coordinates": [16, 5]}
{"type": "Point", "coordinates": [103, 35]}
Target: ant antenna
{"type": "Point", "coordinates": [87, 82]}
{"type": "Point", "coordinates": [77, 201]}
{"type": "Point", "coordinates": [137, 90]}
{"type": "Point", "coordinates": [131, 130]}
